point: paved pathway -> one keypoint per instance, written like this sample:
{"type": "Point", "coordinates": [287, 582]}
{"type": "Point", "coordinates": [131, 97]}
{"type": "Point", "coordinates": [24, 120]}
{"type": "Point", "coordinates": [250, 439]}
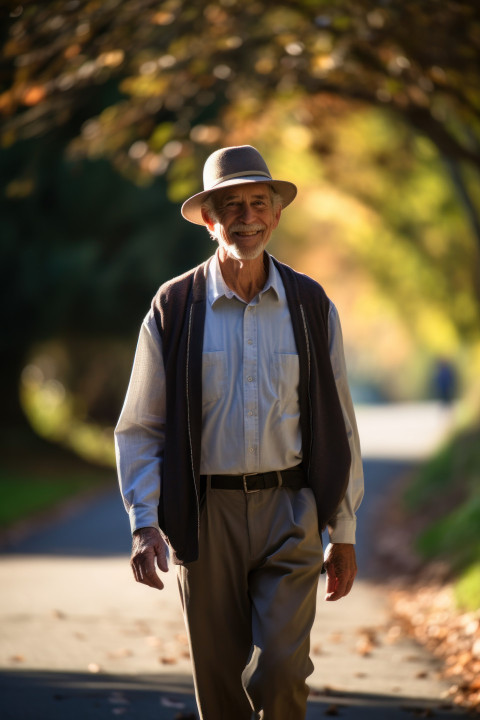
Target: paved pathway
{"type": "Point", "coordinates": [80, 639]}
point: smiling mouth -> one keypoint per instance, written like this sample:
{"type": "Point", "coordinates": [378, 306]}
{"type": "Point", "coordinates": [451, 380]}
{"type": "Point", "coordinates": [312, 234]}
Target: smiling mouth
{"type": "Point", "coordinates": [246, 232]}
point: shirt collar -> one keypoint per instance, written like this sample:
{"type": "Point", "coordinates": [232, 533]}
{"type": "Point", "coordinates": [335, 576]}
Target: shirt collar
{"type": "Point", "coordinates": [217, 287]}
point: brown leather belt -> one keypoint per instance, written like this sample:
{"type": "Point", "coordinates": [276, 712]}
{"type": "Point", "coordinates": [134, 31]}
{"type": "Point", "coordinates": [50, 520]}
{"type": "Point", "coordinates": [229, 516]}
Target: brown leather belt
{"type": "Point", "coordinates": [293, 478]}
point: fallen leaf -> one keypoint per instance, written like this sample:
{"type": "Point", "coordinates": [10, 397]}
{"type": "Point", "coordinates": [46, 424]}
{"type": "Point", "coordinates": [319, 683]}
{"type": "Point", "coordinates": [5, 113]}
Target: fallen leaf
{"type": "Point", "coordinates": [335, 638]}
{"type": "Point", "coordinates": [364, 647]}
{"type": "Point", "coordinates": [168, 660]}
{"type": "Point", "coordinates": [17, 658]}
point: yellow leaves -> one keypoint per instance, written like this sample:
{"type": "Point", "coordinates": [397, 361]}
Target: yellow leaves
{"type": "Point", "coordinates": [160, 136]}
{"type": "Point", "coordinates": [112, 58]}
{"type": "Point", "coordinates": [144, 86]}
{"type": "Point", "coordinates": [297, 138]}
{"type": "Point", "coordinates": [436, 328]}
{"type": "Point", "coordinates": [205, 134]}
{"type": "Point", "coordinates": [183, 179]}
{"type": "Point", "coordinates": [264, 65]}
{"type": "Point", "coordinates": [321, 64]}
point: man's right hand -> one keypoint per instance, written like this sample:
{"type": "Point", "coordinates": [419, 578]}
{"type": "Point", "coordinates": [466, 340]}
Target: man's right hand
{"type": "Point", "coordinates": [148, 544]}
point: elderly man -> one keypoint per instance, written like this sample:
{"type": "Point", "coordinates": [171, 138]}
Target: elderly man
{"type": "Point", "coordinates": [237, 446]}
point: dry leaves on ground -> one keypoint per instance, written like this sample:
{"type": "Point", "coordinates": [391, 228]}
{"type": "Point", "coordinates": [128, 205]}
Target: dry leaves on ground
{"type": "Point", "coordinates": [428, 614]}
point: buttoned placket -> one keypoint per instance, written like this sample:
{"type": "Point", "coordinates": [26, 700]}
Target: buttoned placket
{"type": "Point", "coordinates": [250, 386]}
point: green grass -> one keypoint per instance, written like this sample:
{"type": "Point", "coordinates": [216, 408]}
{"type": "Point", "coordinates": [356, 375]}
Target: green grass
{"type": "Point", "coordinates": [446, 493]}
{"type": "Point", "coordinates": [467, 589]}
{"type": "Point", "coordinates": [27, 494]}
{"type": "Point", "coordinates": [448, 474]}
{"type": "Point", "coordinates": [455, 536]}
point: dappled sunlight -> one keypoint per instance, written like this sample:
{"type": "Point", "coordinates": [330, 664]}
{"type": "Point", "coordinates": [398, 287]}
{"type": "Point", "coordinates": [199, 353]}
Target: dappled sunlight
{"type": "Point", "coordinates": [50, 409]}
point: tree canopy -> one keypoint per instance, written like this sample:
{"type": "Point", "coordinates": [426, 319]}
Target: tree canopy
{"type": "Point", "coordinates": [136, 80]}
{"type": "Point", "coordinates": [109, 108]}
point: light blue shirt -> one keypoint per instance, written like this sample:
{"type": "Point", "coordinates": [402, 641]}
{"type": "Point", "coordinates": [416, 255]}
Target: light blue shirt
{"type": "Point", "coordinates": [250, 406]}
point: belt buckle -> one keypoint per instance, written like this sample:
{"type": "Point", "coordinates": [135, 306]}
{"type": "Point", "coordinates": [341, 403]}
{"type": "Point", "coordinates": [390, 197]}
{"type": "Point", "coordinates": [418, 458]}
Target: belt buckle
{"type": "Point", "coordinates": [245, 487]}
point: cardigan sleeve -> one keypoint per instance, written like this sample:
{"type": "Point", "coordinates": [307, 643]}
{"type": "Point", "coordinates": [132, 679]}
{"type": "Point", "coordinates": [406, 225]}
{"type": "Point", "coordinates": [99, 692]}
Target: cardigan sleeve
{"type": "Point", "coordinates": [345, 518]}
{"type": "Point", "coordinates": [140, 431]}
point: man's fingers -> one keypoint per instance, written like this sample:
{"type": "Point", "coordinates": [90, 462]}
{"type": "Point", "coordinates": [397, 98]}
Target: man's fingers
{"type": "Point", "coordinates": [162, 558]}
{"type": "Point", "coordinates": [335, 586]}
{"type": "Point", "coordinates": [341, 570]}
{"type": "Point", "coordinates": [148, 546]}
{"type": "Point", "coordinates": [145, 573]}
{"type": "Point", "coordinates": [331, 585]}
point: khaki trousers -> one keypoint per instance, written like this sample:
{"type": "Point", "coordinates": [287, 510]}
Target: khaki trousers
{"type": "Point", "coordinates": [249, 603]}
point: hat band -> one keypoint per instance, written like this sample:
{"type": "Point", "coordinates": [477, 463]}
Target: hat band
{"type": "Point", "coordinates": [240, 174]}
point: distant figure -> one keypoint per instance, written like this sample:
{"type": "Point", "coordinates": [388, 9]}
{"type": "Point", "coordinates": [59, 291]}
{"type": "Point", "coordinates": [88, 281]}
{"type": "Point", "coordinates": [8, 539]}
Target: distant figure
{"type": "Point", "coordinates": [237, 445]}
{"type": "Point", "coordinates": [445, 381]}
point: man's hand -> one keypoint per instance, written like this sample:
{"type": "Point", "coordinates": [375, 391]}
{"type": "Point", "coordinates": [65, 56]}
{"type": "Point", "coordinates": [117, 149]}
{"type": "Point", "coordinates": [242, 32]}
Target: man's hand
{"type": "Point", "coordinates": [341, 567]}
{"type": "Point", "coordinates": [148, 544]}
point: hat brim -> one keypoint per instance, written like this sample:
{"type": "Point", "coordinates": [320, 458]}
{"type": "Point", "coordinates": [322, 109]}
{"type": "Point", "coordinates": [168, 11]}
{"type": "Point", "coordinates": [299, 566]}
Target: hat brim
{"type": "Point", "coordinates": [192, 208]}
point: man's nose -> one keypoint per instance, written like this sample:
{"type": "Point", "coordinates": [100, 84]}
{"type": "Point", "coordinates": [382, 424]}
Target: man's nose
{"type": "Point", "coordinates": [247, 213]}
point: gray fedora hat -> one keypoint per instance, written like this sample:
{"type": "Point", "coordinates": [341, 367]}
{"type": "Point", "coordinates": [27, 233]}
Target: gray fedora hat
{"type": "Point", "coordinates": [236, 165]}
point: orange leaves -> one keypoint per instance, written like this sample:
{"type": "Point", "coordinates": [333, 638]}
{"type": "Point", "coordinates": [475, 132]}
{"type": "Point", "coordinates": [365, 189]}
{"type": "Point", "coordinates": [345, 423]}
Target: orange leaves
{"type": "Point", "coordinates": [34, 94]}
{"type": "Point", "coordinates": [428, 614]}
{"type": "Point", "coordinates": [163, 18]}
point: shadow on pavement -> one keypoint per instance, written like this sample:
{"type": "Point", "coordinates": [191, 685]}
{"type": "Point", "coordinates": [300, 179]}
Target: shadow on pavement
{"type": "Point", "coordinates": [97, 527]}
{"type": "Point", "coordinates": [43, 695]}
{"type": "Point", "coordinates": [381, 476]}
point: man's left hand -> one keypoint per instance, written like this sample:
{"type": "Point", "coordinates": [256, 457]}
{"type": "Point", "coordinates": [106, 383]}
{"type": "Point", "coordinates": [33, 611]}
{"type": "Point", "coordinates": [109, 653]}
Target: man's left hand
{"type": "Point", "coordinates": [341, 566]}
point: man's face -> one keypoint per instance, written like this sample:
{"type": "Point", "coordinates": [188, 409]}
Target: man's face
{"type": "Point", "coordinates": [245, 220]}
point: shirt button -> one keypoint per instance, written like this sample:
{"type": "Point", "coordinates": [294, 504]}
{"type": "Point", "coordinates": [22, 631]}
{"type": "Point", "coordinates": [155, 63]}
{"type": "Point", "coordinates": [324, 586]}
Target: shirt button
{"type": "Point", "coordinates": [251, 450]}
{"type": "Point", "coordinates": [250, 342]}
{"type": "Point", "coordinates": [250, 378]}
{"type": "Point", "coordinates": [250, 413]}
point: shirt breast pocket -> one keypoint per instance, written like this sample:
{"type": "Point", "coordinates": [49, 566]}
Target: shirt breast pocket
{"type": "Point", "coordinates": [214, 376]}
{"type": "Point", "coordinates": [285, 374]}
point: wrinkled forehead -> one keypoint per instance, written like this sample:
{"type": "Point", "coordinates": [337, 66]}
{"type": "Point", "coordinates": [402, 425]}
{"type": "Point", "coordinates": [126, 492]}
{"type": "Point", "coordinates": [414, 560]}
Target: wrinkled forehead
{"type": "Point", "coordinates": [250, 191]}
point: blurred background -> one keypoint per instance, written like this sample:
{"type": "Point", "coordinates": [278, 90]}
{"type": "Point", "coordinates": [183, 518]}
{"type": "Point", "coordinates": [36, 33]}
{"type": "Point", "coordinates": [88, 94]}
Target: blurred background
{"type": "Point", "coordinates": [108, 111]}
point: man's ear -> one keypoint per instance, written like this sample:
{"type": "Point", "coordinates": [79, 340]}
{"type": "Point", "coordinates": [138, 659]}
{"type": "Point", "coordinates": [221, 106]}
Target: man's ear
{"type": "Point", "coordinates": [206, 219]}
{"type": "Point", "coordinates": [277, 217]}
